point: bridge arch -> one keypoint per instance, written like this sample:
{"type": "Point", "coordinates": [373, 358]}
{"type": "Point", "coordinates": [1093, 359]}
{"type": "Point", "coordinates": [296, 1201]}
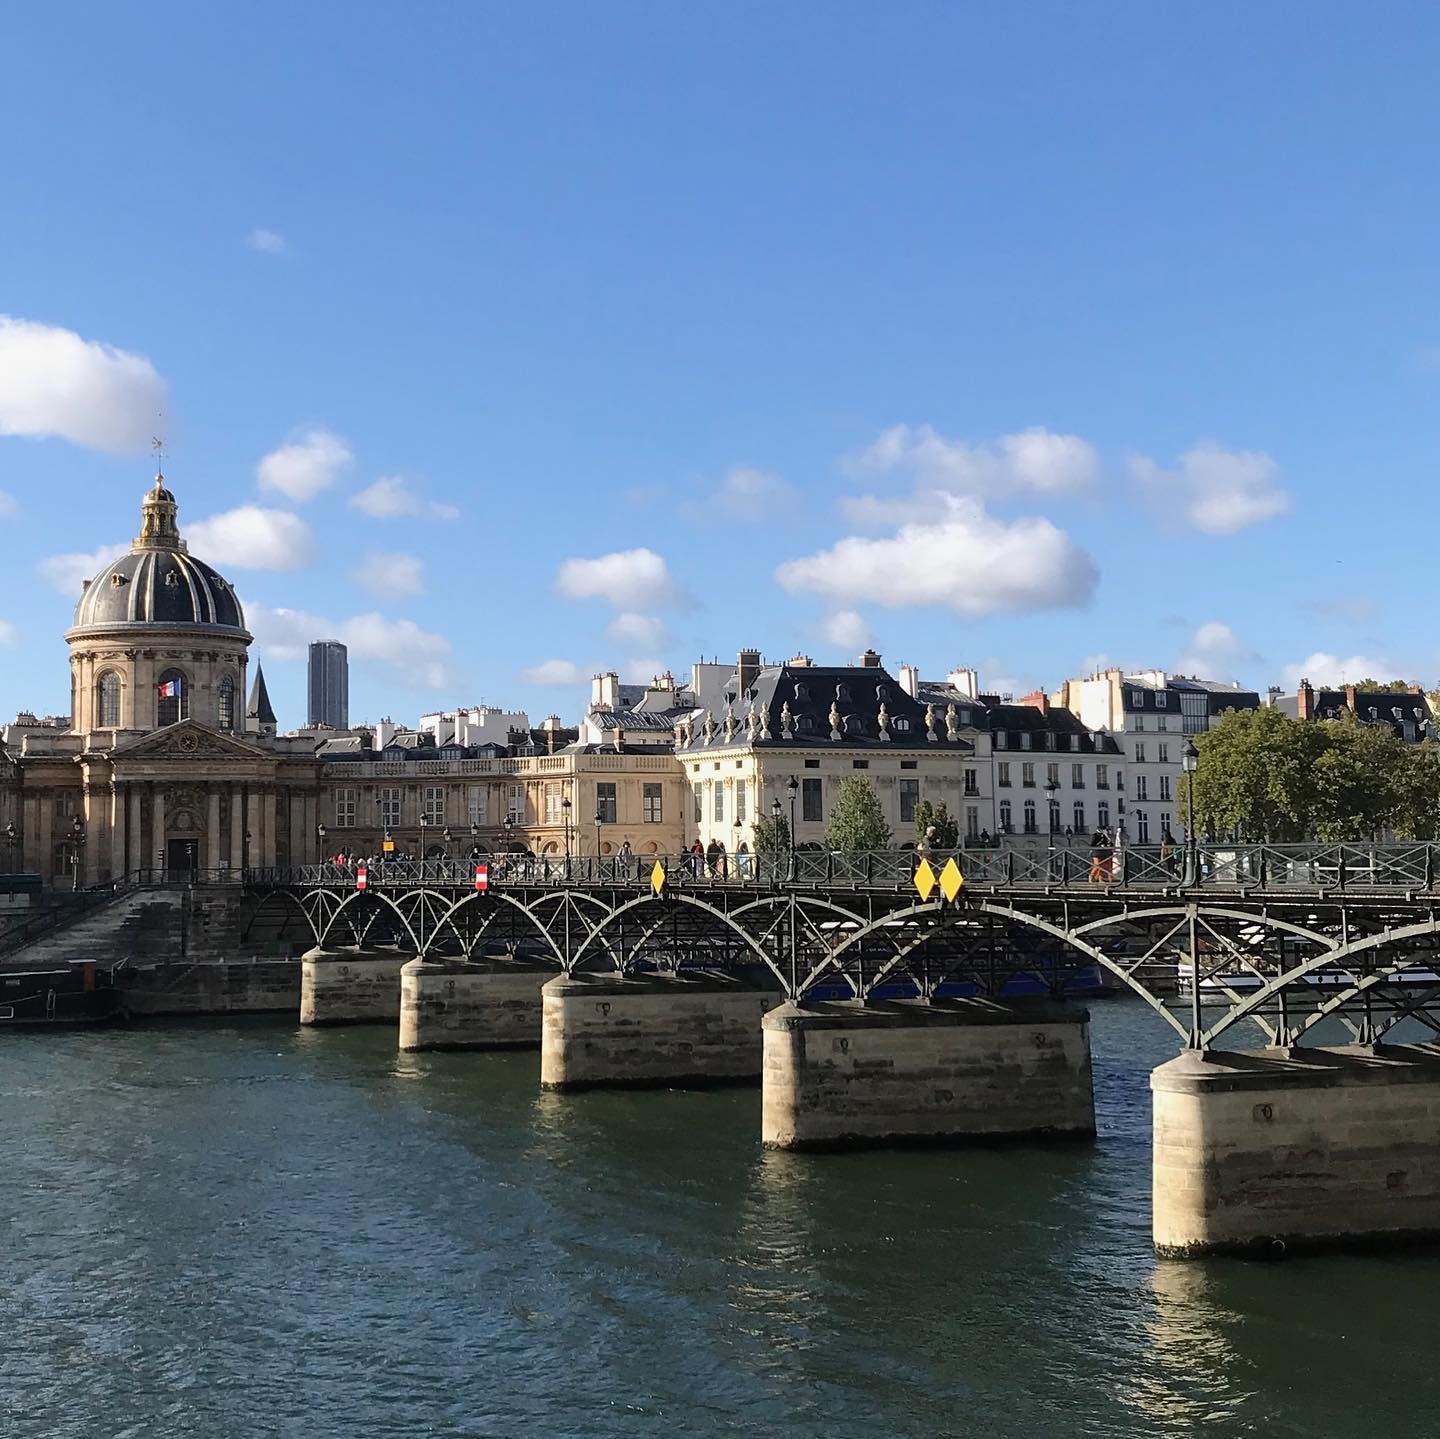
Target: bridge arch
{"type": "Point", "coordinates": [719, 917]}
{"type": "Point", "coordinates": [935, 908]}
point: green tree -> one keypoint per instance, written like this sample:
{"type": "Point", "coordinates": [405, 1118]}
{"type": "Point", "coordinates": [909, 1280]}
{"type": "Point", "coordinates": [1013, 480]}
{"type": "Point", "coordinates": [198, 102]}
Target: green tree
{"type": "Point", "coordinates": [947, 829]}
{"type": "Point", "coordinates": [1266, 777]}
{"type": "Point", "coordinates": [857, 821]}
{"type": "Point", "coordinates": [772, 834]}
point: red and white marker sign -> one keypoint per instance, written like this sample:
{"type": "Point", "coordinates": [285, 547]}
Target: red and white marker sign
{"type": "Point", "coordinates": [482, 877]}
{"type": "Point", "coordinates": [362, 878]}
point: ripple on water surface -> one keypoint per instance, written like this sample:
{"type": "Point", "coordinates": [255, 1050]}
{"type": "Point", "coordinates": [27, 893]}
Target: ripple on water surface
{"type": "Point", "coordinates": [234, 1229]}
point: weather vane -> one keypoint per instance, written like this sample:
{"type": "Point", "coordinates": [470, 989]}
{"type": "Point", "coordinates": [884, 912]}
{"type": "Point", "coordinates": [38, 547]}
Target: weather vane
{"type": "Point", "coordinates": [158, 445]}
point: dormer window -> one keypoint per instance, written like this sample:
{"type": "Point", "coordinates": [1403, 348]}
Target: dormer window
{"type": "Point", "coordinates": [882, 692]}
{"type": "Point", "coordinates": [1002, 740]}
{"type": "Point", "coordinates": [802, 693]}
{"type": "Point", "coordinates": [900, 724]}
{"type": "Point", "coordinates": [1026, 739]}
{"type": "Point", "coordinates": [842, 692]}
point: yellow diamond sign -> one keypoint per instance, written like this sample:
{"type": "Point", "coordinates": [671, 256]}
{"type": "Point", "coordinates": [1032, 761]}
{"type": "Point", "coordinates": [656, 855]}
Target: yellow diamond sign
{"type": "Point", "coordinates": [924, 880]}
{"type": "Point", "coordinates": [951, 880]}
{"type": "Point", "coordinates": [657, 878]}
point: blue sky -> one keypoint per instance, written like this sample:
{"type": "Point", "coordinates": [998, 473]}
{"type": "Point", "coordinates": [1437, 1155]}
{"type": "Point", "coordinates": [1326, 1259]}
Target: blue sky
{"type": "Point", "coordinates": [509, 342]}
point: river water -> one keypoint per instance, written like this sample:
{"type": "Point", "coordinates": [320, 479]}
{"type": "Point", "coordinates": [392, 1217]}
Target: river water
{"type": "Point", "coordinates": [239, 1228]}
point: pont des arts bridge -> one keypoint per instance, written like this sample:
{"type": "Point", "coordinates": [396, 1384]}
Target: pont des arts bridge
{"type": "Point", "coordinates": [885, 998]}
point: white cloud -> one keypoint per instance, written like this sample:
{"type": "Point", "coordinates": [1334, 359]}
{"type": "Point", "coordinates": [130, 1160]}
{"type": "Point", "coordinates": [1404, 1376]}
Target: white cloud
{"type": "Point", "coordinates": [972, 562]}
{"type": "Point", "coordinates": [390, 498]}
{"type": "Point", "coordinates": [628, 579]}
{"type": "Point", "coordinates": [302, 469]}
{"type": "Point", "coordinates": [1213, 490]}
{"type": "Point", "coordinates": [641, 672]}
{"type": "Point", "coordinates": [418, 656]}
{"type": "Point", "coordinates": [1329, 671]}
{"type": "Point", "coordinates": [252, 538]}
{"type": "Point", "coordinates": [67, 573]}
{"type": "Point", "coordinates": [54, 383]}
{"type": "Point", "coordinates": [554, 672]}
{"type": "Point", "coordinates": [752, 495]}
{"type": "Point", "coordinates": [9, 508]}
{"type": "Point", "coordinates": [390, 574]}
{"type": "Point", "coordinates": [1212, 653]}
{"type": "Point", "coordinates": [1036, 461]}
{"type": "Point", "coordinates": [8, 633]}
{"type": "Point", "coordinates": [267, 242]}
{"type": "Point", "coordinates": [846, 630]}
{"type": "Point", "coordinates": [645, 631]}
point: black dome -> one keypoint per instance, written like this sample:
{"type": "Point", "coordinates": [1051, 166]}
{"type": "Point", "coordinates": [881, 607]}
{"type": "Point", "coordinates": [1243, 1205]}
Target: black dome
{"type": "Point", "coordinates": [159, 587]}
{"type": "Point", "coordinates": [159, 582]}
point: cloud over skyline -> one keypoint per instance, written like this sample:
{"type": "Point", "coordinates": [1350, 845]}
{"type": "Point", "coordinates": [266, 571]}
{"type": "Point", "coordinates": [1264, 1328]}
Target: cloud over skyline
{"type": "Point", "coordinates": [54, 384]}
{"type": "Point", "coordinates": [969, 562]}
{"type": "Point", "coordinates": [303, 468]}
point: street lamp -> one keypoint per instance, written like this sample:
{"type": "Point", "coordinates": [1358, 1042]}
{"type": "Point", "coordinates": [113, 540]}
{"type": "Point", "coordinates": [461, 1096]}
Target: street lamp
{"type": "Point", "coordinates": [1050, 786]}
{"type": "Point", "coordinates": [474, 841]}
{"type": "Point", "coordinates": [1190, 762]}
{"type": "Point", "coordinates": [12, 841]}
{"type": "Point", "coordinates": [508, 824]}
{"type": "Point", "coordinates": [599, 820]}
{"type": "Point", "coordinates": [424, 825]}
{"type": "Point", "coordinates": [792, 788]}
{"type": "Point", "coordinates": [565, 817]}
{"type": "Point", "coordinates": [77, 837]}
{"type": "Point", "coordinates": [320, 840]}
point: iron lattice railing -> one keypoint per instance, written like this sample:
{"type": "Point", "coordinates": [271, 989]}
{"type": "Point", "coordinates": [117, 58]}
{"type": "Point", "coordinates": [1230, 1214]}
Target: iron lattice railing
{"type": "Point", "coordinates": [1204, 868]}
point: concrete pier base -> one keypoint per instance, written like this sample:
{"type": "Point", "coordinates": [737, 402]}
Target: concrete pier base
{"type": "Point", "coordinates": [1268, 1152]}
{"type": "Point", "coordinates": [602, 1030]}
{"type": "Point", "coordinates": [470, 1004]}
{"type": "Point", "coordinates": [350, 986]}
{"type": "Point", "coordinates": [843, 1075]}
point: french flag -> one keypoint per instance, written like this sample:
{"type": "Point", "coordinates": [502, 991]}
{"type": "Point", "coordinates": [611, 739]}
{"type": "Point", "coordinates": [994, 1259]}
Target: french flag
{"type": "Point", "coordinates": [170, 690]}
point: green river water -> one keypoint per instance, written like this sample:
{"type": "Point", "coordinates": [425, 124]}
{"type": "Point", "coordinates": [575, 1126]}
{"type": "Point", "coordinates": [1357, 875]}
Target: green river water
{"type": "Point", "coordinates": [239, 1228]}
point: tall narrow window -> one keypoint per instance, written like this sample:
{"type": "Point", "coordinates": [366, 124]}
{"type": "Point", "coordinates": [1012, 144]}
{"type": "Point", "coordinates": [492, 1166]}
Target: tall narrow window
{"type": "Point", "coordinates": [909, 800]}
{"type": "Point", "coordinates": [653, 806]}
{"type": "Point", "coordinates": [172, 698]}
{"type": "Point", "coordinates": [811, 805]}
{"type": "Point", "coordinates": [607, 802]}
{"type": "Point", "coordinates": [108, 701]}
{"type": "Point", "coordinates": [226, 708]}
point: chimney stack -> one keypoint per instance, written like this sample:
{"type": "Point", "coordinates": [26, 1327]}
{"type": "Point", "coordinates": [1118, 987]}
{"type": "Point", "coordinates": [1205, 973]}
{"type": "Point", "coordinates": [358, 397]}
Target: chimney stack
{"type": "Point", "coordinates": [748, 670]}
{"type": "Point", "coordinates": [1305, 701]}
{"type": "Point", "coordinates": [870, 660]}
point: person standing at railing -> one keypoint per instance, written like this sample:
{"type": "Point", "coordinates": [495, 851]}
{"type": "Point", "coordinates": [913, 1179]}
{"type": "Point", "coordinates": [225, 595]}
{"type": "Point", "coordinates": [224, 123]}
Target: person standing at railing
{"type": "Point", "coordinates": [1169, 856]}
{"type": "Point", "coordinates": [712, 858]}
{"type": "Point", "coordinates": [742, 861]}
{"type": "Point", "coordinates": [697, 859]}
{"type": "Point", "coordinates": [1101, 857]}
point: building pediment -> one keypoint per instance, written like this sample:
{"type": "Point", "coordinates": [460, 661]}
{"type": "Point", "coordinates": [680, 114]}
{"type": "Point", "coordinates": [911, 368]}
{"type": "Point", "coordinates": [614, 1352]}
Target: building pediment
{"type": "Point", "coordinates": [187, 740]}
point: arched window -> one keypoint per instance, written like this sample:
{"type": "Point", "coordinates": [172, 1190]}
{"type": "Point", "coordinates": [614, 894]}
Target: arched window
{"type": "Point", "coordinates": [107, 701]}
{"type": "Point", "coordinates": [226, 710]}
{"type": "Point", "coordinates": [172, 691]}
{"type": "Point", "coordinates": [1030, 825]}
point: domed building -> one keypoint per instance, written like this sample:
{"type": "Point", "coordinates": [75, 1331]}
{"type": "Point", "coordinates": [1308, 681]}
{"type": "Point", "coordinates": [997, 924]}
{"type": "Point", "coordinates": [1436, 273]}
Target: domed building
{"type": "Point", "coordinates": [163, 766]}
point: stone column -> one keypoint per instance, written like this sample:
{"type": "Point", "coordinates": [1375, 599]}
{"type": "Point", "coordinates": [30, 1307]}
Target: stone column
{"type": "Point", "coordinates": [158, 855]}
{"type": "Point", "coordinates": [46, 837]}
{"type": "Point", "coordinates": [212, 828]}
{"type": "Point", "coordinates": [136, 858]}
{"type": "Point", "coordinates": [267, 826]}
{"type": "Point", "coordinates": [30, 834]}
{"type": "Point", "coordinates": [237, 827]}
{"type": "Point", "coordinates": [97, 814]}
{"type": "Point", "coordinates": [117, 831]}
{"type": "Point", "coordinates": [252, 824]}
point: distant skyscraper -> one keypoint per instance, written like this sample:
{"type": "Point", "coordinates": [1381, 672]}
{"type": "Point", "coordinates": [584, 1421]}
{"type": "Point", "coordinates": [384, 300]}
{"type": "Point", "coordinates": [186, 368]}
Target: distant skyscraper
{"type": "Point", "coordinates": [329, 684]}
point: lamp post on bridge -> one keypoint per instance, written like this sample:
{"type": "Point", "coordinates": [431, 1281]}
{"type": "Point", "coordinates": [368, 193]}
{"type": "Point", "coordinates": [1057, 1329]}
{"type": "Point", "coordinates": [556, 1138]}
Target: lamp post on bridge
{"type": "Point", "coordinates": [565, 816]}
{"type": "Point", "coordinates": [1051, 785]}
{"type": "Point", "coordinates": [1190, 762]}
{"type": "Point", "coordinates": [320, 841]}
{"type": "Point", "coordinates": [12, 843]}
{"type": "Point", "coordinates": [792, 788]}
{"type": "Point", "coordinates": [77, 837]}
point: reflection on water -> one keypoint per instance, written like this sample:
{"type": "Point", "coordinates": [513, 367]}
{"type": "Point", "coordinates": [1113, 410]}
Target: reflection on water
{"type": "Point", "coordinates": [243, 1228]}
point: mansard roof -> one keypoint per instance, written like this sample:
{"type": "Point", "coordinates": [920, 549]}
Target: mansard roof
{"type": "Point", "coordinates": [824, 701]}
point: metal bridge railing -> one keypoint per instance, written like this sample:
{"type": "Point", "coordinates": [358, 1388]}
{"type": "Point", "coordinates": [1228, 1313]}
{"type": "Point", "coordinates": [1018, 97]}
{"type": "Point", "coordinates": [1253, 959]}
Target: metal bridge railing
{"type": "Point", "coordinates": [1218, 867]}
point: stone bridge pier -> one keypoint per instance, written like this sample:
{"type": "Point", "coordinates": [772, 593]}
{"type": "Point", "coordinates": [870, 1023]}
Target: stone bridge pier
{"type": "Point", "coordinates": [843, 1075]}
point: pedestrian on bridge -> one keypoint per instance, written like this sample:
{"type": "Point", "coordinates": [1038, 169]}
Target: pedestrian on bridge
{"type": "Point", "coordinates": [1102, 856]}
{"type": "Point", "coordinates": [697, 859]}
{"type": "Point", "coordinates": [712, 858]}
